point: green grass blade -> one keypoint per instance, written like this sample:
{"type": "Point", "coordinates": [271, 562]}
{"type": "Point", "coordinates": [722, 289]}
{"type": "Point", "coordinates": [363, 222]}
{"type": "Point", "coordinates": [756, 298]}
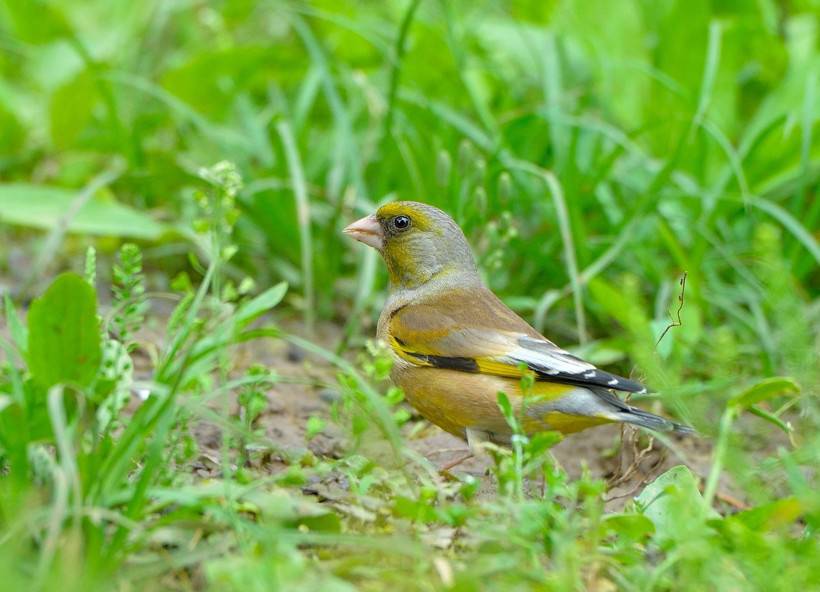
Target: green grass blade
{"type": "Point", "coordinates": [303, 219]}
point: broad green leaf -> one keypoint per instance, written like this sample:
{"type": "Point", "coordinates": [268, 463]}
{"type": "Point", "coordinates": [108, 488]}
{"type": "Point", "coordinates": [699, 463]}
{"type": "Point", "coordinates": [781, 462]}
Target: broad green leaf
{"type": "Point", "coordinates": [763, 390]}
{"type": "Point", "coordinates": [71, 108]}
{"type": "Point", "coordinates": [64, 333]}
{"type": "Point", "coordinates": [674, 504]}
{"type": "Point", "coordinates": [208, 81]}
{"type": "Point", "coordinates": [41, 206]}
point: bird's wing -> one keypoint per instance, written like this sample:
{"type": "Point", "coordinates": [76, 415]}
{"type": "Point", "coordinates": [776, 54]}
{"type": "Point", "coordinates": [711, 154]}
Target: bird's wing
{"type": "Point", "coordinates": [473, 331]}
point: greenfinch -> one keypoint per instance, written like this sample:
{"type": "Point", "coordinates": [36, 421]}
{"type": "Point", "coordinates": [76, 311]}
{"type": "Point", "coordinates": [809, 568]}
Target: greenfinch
{"type": "Point", "coordinates": [456, 345]}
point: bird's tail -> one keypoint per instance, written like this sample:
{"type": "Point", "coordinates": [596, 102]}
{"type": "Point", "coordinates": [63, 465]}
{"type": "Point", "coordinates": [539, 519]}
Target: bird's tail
{"type": "Point", "coordinates": [654, 422]}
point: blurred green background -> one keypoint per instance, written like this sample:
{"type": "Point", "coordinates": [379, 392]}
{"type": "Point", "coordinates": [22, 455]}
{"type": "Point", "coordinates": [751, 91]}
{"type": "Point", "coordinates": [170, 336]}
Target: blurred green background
{"type": "Point", "coordinates": [593, 152]}
{"type": "Point", "coordinates": [674, 129]}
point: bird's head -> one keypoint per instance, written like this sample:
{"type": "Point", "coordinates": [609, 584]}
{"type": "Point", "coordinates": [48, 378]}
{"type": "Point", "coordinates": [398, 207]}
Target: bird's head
{"type": "Point", "coordinates": [417, 241]}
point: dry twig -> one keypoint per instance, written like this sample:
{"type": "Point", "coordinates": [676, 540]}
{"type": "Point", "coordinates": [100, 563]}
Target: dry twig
{"type": "Point", "coordinates": [678, 322]}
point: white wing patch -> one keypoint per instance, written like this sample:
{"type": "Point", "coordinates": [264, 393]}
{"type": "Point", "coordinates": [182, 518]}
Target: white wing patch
{"type": "Point", "coordinates": [548, 360]}
{"type": "Point", "coordinates": [549, 356]}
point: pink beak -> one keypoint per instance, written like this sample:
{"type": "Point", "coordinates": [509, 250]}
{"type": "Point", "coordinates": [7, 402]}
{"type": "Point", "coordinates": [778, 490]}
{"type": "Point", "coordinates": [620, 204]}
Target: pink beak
{"type": "Point", "coordinates": [368, 231]}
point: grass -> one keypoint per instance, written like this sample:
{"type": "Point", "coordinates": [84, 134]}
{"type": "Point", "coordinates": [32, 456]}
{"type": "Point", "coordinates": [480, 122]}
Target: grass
{"type": "Point", "coordinates": [593, 154]}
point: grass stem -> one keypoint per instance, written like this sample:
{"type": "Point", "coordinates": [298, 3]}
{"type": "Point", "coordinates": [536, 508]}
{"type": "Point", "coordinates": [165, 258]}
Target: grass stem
{"type": "Point", "coordinates": [297, 179]}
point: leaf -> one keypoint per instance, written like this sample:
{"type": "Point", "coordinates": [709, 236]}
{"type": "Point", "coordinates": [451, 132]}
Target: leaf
{"type": "Point", "coordinates": [785, 426]}
{"type": "Point", "coordinates": [633, 526]}
{"type": "Point", "coordinates": [37, 21]}
{"type": "Point", "coordinates": [771, 516]}
{"type": "Point", "coordinates": [664, 346]}
{"type": "Point", "coordinates": [208, 81]}
{"type": "Point", "coordinates": [41, 206]}
{"type": "Point", "coordinates": [115, 379]}
{"type": "Point", "coordinates": [293, 510]}
{"type": "Point", "coordinates": [71, 108]}
{"type": "Point", "coordinates": [261, 304]}
{"type": "Point", "coordinates": [541, 442]}
{"type": "Point", "coordinates": [64, 334]}
{"type": "Point", "coordinates": [505, 406]}
{"type": "Point", "coordinates": [764, 390]}
{"type": "Point", "coordinates": [674, 504]}
{"type": "Point", "coordinates": [418, 510]}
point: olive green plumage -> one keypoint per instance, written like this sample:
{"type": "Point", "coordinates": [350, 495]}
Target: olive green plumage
{"type": "Point", "coordinates": [456, 345]}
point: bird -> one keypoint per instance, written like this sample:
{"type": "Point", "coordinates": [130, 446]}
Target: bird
{"type": "Point", "coordinates": [455, 345]}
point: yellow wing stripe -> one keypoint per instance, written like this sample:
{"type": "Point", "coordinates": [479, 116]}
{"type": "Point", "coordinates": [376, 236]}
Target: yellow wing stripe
{"type": "Point", "coordinates": [490, 366]}
{"type": "Point", "coordinates": [407, 355]}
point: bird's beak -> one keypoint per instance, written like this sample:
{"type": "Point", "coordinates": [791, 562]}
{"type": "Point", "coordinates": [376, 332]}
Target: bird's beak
{"type": "Point", "coordinates": [368, 231]}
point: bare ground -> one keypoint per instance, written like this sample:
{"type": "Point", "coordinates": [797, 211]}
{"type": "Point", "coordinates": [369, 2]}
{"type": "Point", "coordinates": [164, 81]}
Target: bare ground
{"type": "Point", "coordinates": [621, 457]}
{"type": "Point", "coordinates": [606, 452]}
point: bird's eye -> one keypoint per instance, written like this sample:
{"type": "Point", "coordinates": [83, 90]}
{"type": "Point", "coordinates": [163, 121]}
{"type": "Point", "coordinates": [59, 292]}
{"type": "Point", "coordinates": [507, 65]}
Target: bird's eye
{"type": "Point", "coordinates": [401, 222]}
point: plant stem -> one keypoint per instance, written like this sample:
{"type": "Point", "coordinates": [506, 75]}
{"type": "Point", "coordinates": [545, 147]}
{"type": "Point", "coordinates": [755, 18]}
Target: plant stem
{"type": "Point", "coordinates": [719, 455]}
{"type": "Point", "coordinates": [297, 178]}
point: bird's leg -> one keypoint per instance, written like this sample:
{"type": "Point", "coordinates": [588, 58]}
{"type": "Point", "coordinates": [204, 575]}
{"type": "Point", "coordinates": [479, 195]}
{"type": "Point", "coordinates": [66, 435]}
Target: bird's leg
{"type": "Point", "coordinates": [475, 440]}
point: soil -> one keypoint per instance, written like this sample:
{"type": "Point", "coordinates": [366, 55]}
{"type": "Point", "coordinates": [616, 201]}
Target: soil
{"type": "Point", "coordinates": [606, 452]}
{"type": "Point", "coordinates": [625, 457]}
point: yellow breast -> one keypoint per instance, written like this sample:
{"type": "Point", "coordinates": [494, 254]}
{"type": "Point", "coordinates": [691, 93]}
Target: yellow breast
{"type": "Point", "coordinates": [455, 400]}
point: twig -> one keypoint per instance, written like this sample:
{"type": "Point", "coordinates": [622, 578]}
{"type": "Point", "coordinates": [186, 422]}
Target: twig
{"type": "Point", "coordinates": [732, 500]}
{"type": "Point", "coordinates": [638, 456]}
{"type": "Point", "coordinates": [678, 322]}
{"type": "Point", "coordinates": [637, 486]}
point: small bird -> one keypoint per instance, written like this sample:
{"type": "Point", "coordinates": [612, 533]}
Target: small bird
{"type": "Point", "coordinates": [456, 345]}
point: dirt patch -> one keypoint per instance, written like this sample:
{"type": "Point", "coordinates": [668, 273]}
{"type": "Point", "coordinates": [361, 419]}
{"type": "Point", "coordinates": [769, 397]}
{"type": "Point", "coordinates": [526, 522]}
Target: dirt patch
{"type": "Point", "coordinates": [605, 452]}
{"type": "Point", "coordinates": [309, 389]}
